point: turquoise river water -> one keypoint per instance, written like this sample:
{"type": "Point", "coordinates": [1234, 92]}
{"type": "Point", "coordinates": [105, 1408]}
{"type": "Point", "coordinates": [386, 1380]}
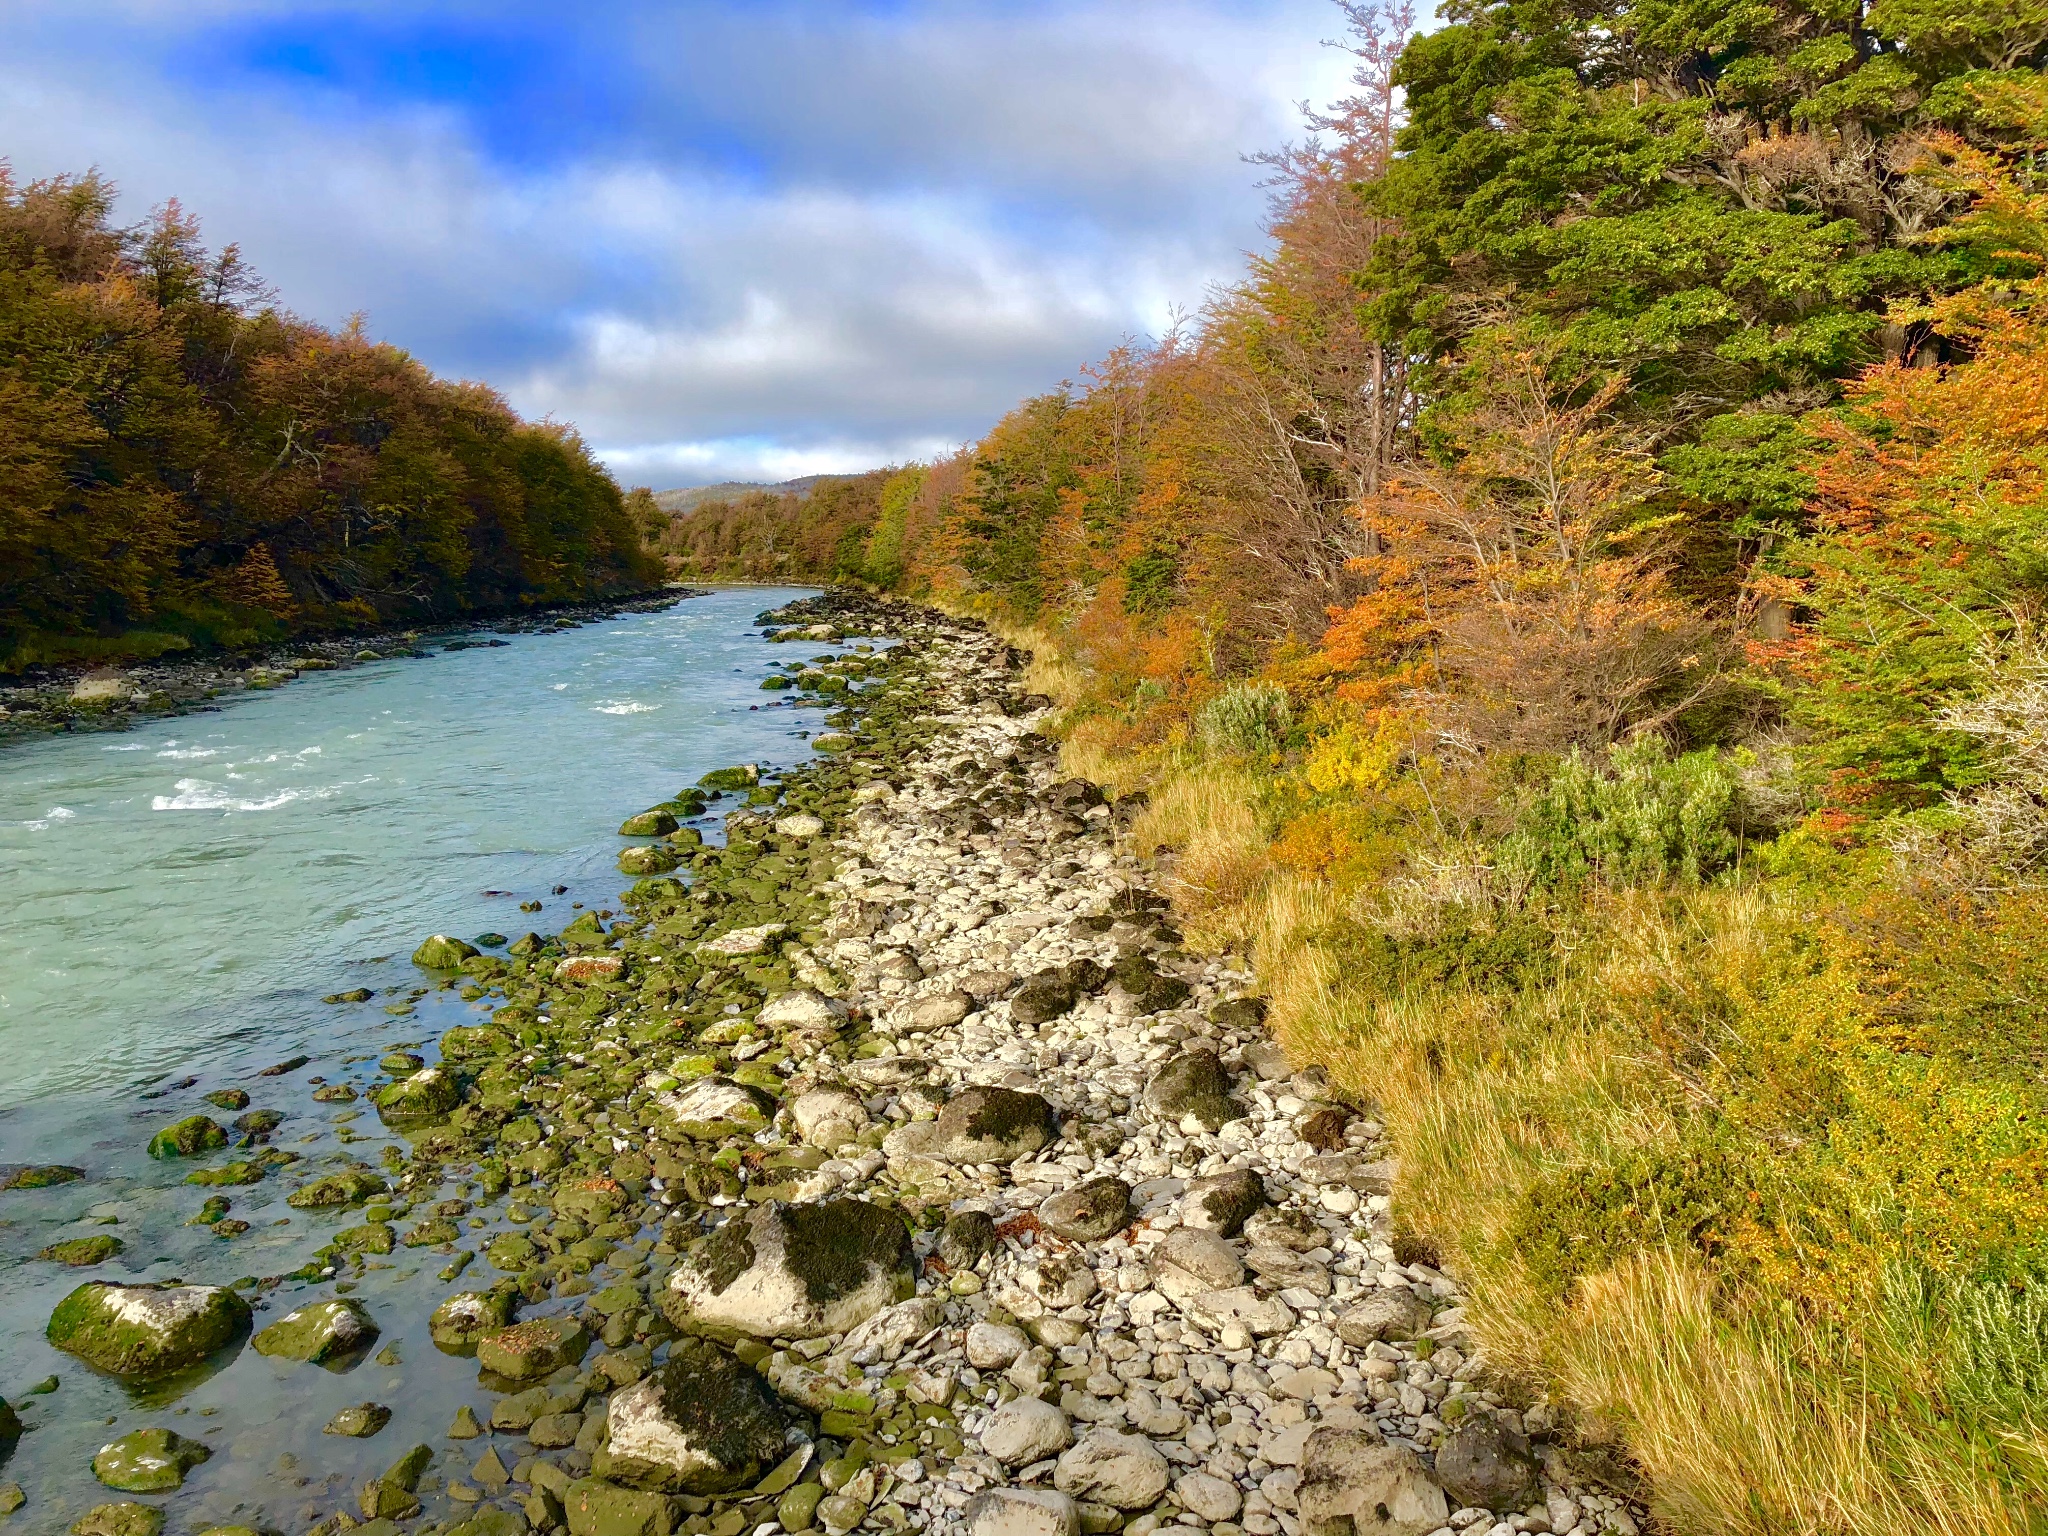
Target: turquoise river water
{"type": "Point", "coordinates": [177, 899]}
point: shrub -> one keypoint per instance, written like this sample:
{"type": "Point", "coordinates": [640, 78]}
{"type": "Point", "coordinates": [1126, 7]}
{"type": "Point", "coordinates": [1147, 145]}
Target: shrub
{"type": "Point", "coordinates": [1651, 818]}
{"type": "Point", "coordinates": [1246, 720]}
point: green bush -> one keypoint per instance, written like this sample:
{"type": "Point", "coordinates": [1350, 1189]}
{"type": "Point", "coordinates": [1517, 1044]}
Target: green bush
{"type": "Point", "coordinates": [1580, 1221]}
{"type": "Point", "coordinates": [1649, 819]}
{"type": "Point", "coordinates": [1246, 720]}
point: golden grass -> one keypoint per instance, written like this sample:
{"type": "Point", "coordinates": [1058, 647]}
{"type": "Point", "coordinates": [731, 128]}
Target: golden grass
{"type": "Point", "coordinates": [1745, 1418]}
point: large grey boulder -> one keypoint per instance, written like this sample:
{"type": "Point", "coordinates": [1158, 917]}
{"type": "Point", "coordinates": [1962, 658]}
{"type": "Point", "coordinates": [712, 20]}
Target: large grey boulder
{"type": "Point", "coordinates": [979, 1125]}
{"type": "Point", "coordinates": [703, 1423]}
{"type": "Point", "coordinates": [1193, 1083]}
{"type": "Point", "coordinates": [1024, 1430]}
{"type": "Point", "coordinates": [1190, 1263]}
{"type": "Point", "coordinates": [1355, 1484]}
{"type": "Point", "coordinates": [1486, 1465]}
{"type": "Point", "coordinates": [146, 1330]}
{"type": "Point", "coordinates": [1022, 1512]}
{"type": "Point", "coordinates": [1089, 1211]}
{"type": "Point", "coordinates": [1395, 1314]}
{"type": "Point", "coordinates": [828, 1118]}
{"type": "Point", "coordinates": [713, 1108]}
{"type": "Point", "coordinates": [1109, 1467]}
{"type": "Point", "coordinates": [793, 1271]}
{"type": "Point", "coordinates": [1222, 1202]}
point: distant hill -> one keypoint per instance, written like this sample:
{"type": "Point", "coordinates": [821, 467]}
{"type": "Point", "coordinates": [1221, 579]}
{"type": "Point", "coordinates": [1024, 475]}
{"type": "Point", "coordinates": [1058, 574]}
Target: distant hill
{"type": "Point", "coordinates": [696, 495]}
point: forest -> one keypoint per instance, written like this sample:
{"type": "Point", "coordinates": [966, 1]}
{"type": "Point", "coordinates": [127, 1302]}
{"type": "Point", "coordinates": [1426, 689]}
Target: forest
{"type": "Point", "coordinates": [183, 463]}
{"type": "Point", "coordinates": [1575, 604]}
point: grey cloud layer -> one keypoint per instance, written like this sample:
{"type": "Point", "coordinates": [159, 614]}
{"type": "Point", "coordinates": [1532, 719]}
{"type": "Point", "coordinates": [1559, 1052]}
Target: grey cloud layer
{"type": "Point", "coordinates": [842, 241]}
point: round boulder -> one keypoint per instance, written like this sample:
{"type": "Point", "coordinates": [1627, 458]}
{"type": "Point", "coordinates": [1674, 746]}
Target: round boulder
{"type": "Point", "coordinates": [466, 1317]}
{"type": "Point", "coordinates": [1113, 1468]}
{"type": "Point", "coordinates": [537, 1347]}
{"type": "Point", "coordinates": [423, 1096]}
{"type": "Point", "coordinates": [828, 1118]}
{"type": "Point", "coordinates": [146, 1330]}
{"type": "Point", "coordinates": [442, 953]}
{"type": "Point", "coordinates": [1222, 1202]}
{"type": "Point", "coordinates": [794, 1271]}
{"type": "Point", "coordinates": [1486, 1465]}
{"type": "Point", "coordinates": [984, 1125]}
{"type": "Point", "coordinates": [1355, 1484]}
{"type": "Point", "coordinates": [1022, 1512]}
{"type": "Point", "coordinates": [147, 1461]}
{"type": "Point", "coordinates": [1024, 1430]}
{"type": "Point", "coordinates": [703, 1423]}
{"type": "Point", "coordinates": [320, 1333]}
{"type": "Point", "coordinates": [713, 1108]}
{"type": "Point", "coordinates": [1088, 1212]}
{"type": "Point", "coordinates": [190, 1137]}
{"type": "Point", "coordinates": [1192, 1083]}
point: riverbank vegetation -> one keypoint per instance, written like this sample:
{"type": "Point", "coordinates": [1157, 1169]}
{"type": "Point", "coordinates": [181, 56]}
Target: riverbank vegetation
{"type": "Point", "coordinates": [184, 463]}
{"type": "Point", "coordinates": [1576, 606]}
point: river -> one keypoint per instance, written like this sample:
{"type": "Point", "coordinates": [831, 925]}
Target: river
{"type": "Point", "coordinates": [178, 899]}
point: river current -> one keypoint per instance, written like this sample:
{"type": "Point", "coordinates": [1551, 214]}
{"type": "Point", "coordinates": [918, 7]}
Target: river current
{"type": "Point", "coordinates": [178, 899]}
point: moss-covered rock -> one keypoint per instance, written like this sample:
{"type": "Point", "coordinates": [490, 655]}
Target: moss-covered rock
{"type": "Point", "coordinates": [241, 1171]}
{"type": "Point", "coordinates": [1192, 1083]}
{"type": "Point", "coordinates": [82, 1252]}
{"type": "Point", "coordinates": [147, 1461]}
{"type": "Point", "coordinates": [33, 1176]}
{"type": "Point", "coordinates": [350, 1187]}
{"type": "Point", "coordinates": [358, 1421]}
{"type": "Point", "coordinates": [794, 1271]}
{"type": "Point", "coordinates": [702, 1423]}
{"type": "Point", "coordinates": [146, 1330]}
{"type": "Point", "coordinates": [713, 1108]}
{"type": "Point", "coordinates": [472, 1042]}
{"type": "Point", "coordinates": [596, 1508]}
{"type": "Point", "coordinates": [654, 823]}
{"type": "Point", "coordinates": [979, 1125]}
{"type": "Point", "coordinates": [228, 1098]}
{"type": "Point", "coordinates": [650, 859]}
{"type": "Point", "coordinates": [442, 953]}
{"type": "Point", "coordinates": [467, 1316]}
{"type": "Point", "coordinates": [1088, 1212]}
{"type": "Point", "coordinates": [534, 1348]}
{"type": "Point", "coordinates": [423, 1096]}
{"type": "Point", "coordinates": [589, 968]}
{"type": "Point", "coordinates": [731, 778]}
{"type": "Point", "coordinates": [119, 1520]}
{"type": "Point", "coordinates": [188, 1138]}
{"type": "Point", "coordinates": [320, 1333]}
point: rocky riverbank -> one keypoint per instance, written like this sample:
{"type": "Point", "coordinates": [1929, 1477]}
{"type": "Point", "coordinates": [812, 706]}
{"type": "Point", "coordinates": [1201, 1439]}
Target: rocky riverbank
{"type": "Point", "coordinates": [117, 698]}
{"type": "Point", "coordinates": [894, 1168]}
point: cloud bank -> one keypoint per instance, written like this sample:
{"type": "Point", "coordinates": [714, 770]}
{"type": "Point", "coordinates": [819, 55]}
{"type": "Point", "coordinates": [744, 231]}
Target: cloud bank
{"type": "Point", "coordinates": [746, 240]}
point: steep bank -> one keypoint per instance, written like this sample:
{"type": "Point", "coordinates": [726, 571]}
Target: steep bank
{"type": "Point", "coordinates": [829, 1071]}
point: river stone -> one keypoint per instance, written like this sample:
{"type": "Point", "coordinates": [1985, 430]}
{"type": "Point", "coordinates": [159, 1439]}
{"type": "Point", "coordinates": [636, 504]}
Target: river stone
{"type": "Point", "coordinates": [319, 1333]}
{"type": "Point", "coordinates": [1355, 1484]}
{"type": "Point", "coordinates": [942, 1010]}
{"type": "Point", "coordinates": [30, 1176]}
{"type": "Point", "coordinates": [350, 1187]}
{"type": "Point", "coordinates": [1190, 1263]}
{"type": "Point", "coordinates": [1042, 999]}
{"type": "Point", "coordinates": [1192, 1083]}
{"type": "Point", "coordinates": [146, 1330]}
{"type": "Point", "coordinates": [188, 1138]}
{"type": "Point", "coordinates": [442, 953]}
{"type": "Point", "coordinates": [83, 1252]}
{"type": "Point", "coordinates": [1396, 1314]}
{"type": "Point", "coordinates": [1024, 1430]}
{"type": "Point", "coordinates": [651, 859]}
{"type": "Point", "coordinates": [1278, 1226]}
{"type": "Point", "coordinates": [597, 1508]}
{"type": "Point", "coordinates": [119, 1520]}
{"type": "Point", "coordinates": [803, 1011]}
{"type": "Point", "coordinates": [1022, 1512]}
{"type": "Point", "coordinates": [994, 1346]}
{"type": "Point", "coordinates": [1238, 1310]}
{"type": "Point", "coordinates": [536, 1347]}
{"type": "Point", "coordinates": [1113, 1468]}
{"type": "Point", "coordinates": [794, 1271]}
{"type": "Point", "coordinates": [1208, 1498]}
{"type": "Point", "coordinates": [228, 1098]}
{"type": "Point", "coordinates": [359, 1421]}
{"type": "Point", "coordinates": [654, 823]}
{"type": "Point", "coordinates": [1088, 1212]}
{"type": "Point", "coordinates": [828, 1118]}
{"type": "Point", "coordinates": [713, 1108]}
{"type": "Point", "coordinates": [979, 1125]}
{"type": "Point", "coordinates": [967, 1237]}
{"type": "Point", "coordinates": [702, 1423]}
{"type": "Point", "coordinates": [1244, 1015]}
{"type": "Point", "coordinates": [1486, 1465]}
{"type": "Point", "coordinates": [742, 777]}
{"type": "Point", "coordinates": [1222, 1202]}
{"type": "Point", "coordinates": [424, 1095]}
{"type": "Point", "coordinates": [802, 824]}
{"type": "Point", "coordinates": [147, 1461]}
{"type": "Point", "coordinates": [591, 968]}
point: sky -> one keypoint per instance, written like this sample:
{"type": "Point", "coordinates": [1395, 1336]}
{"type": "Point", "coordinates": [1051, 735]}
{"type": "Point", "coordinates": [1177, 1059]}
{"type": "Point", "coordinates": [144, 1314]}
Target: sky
{"type": "Point", "coordinates": [728, 239]}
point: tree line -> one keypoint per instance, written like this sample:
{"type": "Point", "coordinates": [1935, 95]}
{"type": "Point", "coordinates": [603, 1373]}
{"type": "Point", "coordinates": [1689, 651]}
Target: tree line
{"type": "Point", "coordinates": [185, 462]}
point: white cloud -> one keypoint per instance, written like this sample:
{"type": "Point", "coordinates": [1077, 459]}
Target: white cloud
{"type": "Point", "coordinates": [798, 240]}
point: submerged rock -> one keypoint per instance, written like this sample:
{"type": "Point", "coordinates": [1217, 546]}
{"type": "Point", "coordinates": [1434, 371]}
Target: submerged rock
{"type": "Point", "coordinates": [358, 1421]}
{"type": "Point", "coordinates": [81, 1252]}
{"type": "Point", "coordinates": [536, 1347]}
{"type": "Point", "coordinates": [30, 1176]}
{"type": "Point", "coordinates": [318, 1333]}
{"type": "Point", "coordinates": [147, 1461]}
{"type": "Point", "coordinates": [119, 1520]}
{"type": "Point", "coordinates": [350, 1187]}
{"type": "Point", "coordinates": [702, 1423]}
{"type": "Point", "coordinates": [188, 1138]}
{"type": "Point", "coordinates": [794, 1271]}
{"type": "Point", "coordinates": [467, 1316]}
{"type": "Point", "coordinates": [146, 1330]}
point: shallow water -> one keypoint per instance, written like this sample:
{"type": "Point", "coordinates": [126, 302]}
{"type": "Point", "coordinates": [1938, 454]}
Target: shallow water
{"type": "Point", "coordinates": [178, 898]}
